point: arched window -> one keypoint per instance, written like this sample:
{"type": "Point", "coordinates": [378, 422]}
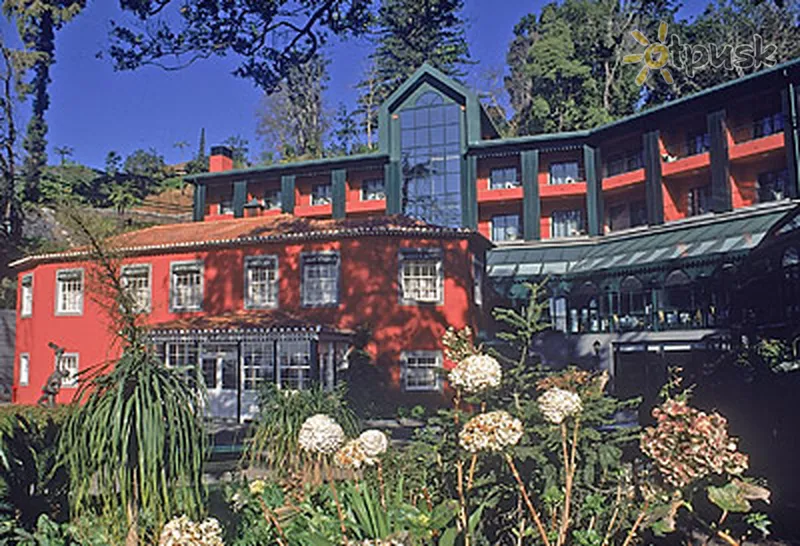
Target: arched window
{"type": "Point", "coordinates": [678, 301]}
{"type": "Point", "coordinates": [430, 151]}
{"type": "Point", "coordinates": [429, 98]}
{"type": "Point", "coordinates": [633, 304]}
{"type": "Point", "coordinates": [583, 301]}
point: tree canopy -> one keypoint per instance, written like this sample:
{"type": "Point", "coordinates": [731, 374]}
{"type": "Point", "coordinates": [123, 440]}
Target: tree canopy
{"type": "Point", "coordinates": [269, 38]}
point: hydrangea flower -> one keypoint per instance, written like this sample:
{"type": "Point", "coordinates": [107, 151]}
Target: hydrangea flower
{"type": "Point", "coordinates": [558, 404]}
{"type": "Point", "coordinates": [492, 431]}
{"type": "Point", "coordinates": [476, 373]}
{"type": "Point", "coordinates": [182, 531]}
{"type": "Point", "coordinates": [350, 455]}
{"type": "Point", "coordinates": [320, 434]}
{"type": "Point", "coordinates": [374, 443]}
{"type": "Point", "coordinates": [687, 444]}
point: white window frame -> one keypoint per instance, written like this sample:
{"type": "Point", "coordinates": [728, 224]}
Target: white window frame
{"type": "Point", "coordinates": [257, 356]}
{"type": "Point", "coordinates": [478, 275]}
{"type": "Point", "coordinates": [270, 204]}
{"type": "Point", "coordinates": [421, 256]}
{"type": "Point", "coordinates": [505, 228]}
{"type": "Point", "coordinates": [307, 259]}
{"type": "Point", "coordinates": [71, 381]}
{"type": "Point", "coordinates": [256, 261]}
{"type": "Point", "coordinates": [173, 271]}
{"type": "Point", "coordinates": [284, 358]}
{"type": "Point", "coordinates": [406, 356]}
{"type": "Point", "coordinates": [59, 292]}
{"type": "Point", "coordinates": [26, 296]}
{"type": "Point", "coordinates": [555, 181]}
{"type": "Point", "coordinates": [504, 183]}
{"type": "Point", "coordinates": [24, 378]}
{"type": "Point", "coordinates": [565, 213]}
{"type": "Point", "coordinates": [139, 307]}
{"type": "Point", "coordinates": [319, 200]}
{"type": "Point", "coordinates": [369, 193]}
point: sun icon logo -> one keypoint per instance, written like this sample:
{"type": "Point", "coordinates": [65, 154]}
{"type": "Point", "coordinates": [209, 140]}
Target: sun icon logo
{"type": "Point", "coordinates": [655, 56]}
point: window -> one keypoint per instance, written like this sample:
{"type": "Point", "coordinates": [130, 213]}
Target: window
{"type": "Point", "coordinates": [503, 178]}
{"type": "Point", "coordinates": [566, 223]}
{"type": "Point", "coordinates": [187, 286]}
{"type": "Point", "coordinates": [24, 369]}
{"type": "Point", "coordinates": [477, 280]}
{"type": "Point", "coordinates": [226, 206]}
{"type": "Point", "coordinates": [136, 282]}
{"type": "Point", "coordinates": [698, 200]}
{"type": "Point", "coordinates": [768, 125]}
{"type": "Point", "coordinates": [564, 173]}
{"type": "Point", "coordinates": [26, 295]}
{"type": "Point", "coordinates": [558, 313]}
{"type": "Point", "coordinates": [321, 279]}
{"type": "Point", "coordinates": [430, 155]}
{"type": "Point", "coordinates": [624, 163]}
{"type": "Point", "coordinates": [505, 227]}
{"type": "Point", "coordinates": [272, 199]}
{"type": "Point", "coordinates": [372, 190]}
{"type": "Point", "coordinates": [697, 143]}
{"type": "Point", "coordinates": [772, 186]}
{"type": "Point", "coordinates": [422, 370]}
{"type": "Point", "coordinates": [638, 213]}
{"type": "Point", "coordinates": [69, 292]}
{"type": "Point", "coordinates": [184, 357]}
{"type": "Point", "coordinates": [258, 365]}
{"type": "Point", "coordinates": [261, 282]}
{"type": "Point", "coordinates": [294, 365]}
{"type": "Point", "coordinates": [68, 363]}
{"type": "Point", "coordinates": [321, 194]}
{"type": "Point", "coordinates": [421, 279]}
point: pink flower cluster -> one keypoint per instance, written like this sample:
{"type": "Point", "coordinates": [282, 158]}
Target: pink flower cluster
{"type": "Point", "coordinates": [687, 444]}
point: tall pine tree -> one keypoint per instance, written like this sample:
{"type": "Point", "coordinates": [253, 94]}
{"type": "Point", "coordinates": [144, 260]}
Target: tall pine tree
{"type": "Point", "coordinates": [410, 33]}
{"type": "Point", "coordinates": [37, 22]}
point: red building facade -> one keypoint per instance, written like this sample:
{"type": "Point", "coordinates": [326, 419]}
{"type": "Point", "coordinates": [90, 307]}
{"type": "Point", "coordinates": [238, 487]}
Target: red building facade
{"type": "Point", "coordinates": [274, 298]}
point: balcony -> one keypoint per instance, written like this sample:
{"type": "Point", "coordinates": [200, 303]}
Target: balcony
{"type": "Point", "coordinates": [574, 189]}
{"type": "Point", "coordinates": [762, 136]}
{"type": "Point", "coordinates": [624, 180]}
{"type": "Point", "coordinates": [370, 205]}
{"type": "Point", "coordinates": [500, 195]}
{"type": "Point", "coordinates": [687, 157]}
{"type": "Point", "coordinates": [316, 211]}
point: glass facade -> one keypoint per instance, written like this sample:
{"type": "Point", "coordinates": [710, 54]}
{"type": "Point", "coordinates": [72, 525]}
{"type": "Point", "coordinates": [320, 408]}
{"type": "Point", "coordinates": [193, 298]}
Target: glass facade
{"type": "Point", "coordinates": [430, 150]}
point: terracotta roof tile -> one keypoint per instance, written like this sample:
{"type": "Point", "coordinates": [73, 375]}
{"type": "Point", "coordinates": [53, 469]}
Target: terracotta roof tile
{"type": "Point", "coordinates": [283, 227]}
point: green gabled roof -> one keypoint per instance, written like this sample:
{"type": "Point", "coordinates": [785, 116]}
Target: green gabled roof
{"type": "Point", "coordinates": [695, 241]}
{"type": "Point", "coordinates": [288, 168]}
{"type": "Point", "coordinates": [420, 73]}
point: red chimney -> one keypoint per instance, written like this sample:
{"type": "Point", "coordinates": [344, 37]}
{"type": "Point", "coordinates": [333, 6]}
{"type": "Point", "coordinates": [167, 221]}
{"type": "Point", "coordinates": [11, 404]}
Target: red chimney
{"type": "Point", "coordinates": [221, 159]}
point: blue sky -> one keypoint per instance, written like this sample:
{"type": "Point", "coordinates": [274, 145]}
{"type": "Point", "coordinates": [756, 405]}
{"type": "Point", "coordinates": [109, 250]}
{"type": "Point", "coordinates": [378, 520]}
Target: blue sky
{"type": "Point", "coordinates": [95, 110]}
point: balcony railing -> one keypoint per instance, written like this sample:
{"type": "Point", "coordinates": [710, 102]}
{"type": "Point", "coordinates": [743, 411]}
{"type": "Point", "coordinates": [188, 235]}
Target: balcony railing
{"type": "Point", "coordinates": [758, 128]}
{"type": "Point", "coordinates": [624, 163]}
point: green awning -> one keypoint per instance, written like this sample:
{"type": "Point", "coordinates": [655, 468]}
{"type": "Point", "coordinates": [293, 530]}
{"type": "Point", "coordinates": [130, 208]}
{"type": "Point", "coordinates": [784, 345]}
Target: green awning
{"type": "Point", "coordinates": [695, 242]}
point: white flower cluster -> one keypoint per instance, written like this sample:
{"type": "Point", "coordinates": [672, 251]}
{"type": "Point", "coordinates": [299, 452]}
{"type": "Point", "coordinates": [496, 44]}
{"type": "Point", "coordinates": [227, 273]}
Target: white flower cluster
{"type": "Point", "coordinates": [374, 443]}
{"type": "Point", "coordinates": [476, 373]}
{"type": "Point", "coordinates": [558, 404]}
{"type": "Point", "coordinates": [320, 434]}
{"type": "Point", "coordinates": [363, 450]}
{"type": "Point", "coordinates": [182, 531]}
{"type": "Point", "coordinates": [492, 431]}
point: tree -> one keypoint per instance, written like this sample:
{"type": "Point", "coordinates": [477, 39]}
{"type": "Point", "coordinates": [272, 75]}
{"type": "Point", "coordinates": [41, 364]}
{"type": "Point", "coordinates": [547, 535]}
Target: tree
{"type": "Point", "coordinates": [146, 164]}
{"type": "Point", "coordinates": [566, 69]}
{"type": "Point", "coordinates": [37, 21]}
{"type": "Point", "coordinates": [409, 34]}
{"type": "Point", "coordinates": [240, 148]}
{"type": "Point", "coordinates": [181, 145]}
{"type": "Point", "coordinates": [726, 23]}
{"type": "Point", "coordinates": [199, 163]}
{"type": "Point", "coordinates": [292, 120]}
{"type": "Point", "coordinates": [64, 152]}
{"type": "Point", "coordinates": [345, 132]}
{"type": "Point", "coordinates": [269, 37]}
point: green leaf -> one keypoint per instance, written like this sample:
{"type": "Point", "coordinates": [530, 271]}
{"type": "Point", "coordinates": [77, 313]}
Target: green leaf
{"type": "Point", "coordinates": [729, 498]}
{"type": "Point", "coordinates": [448, 538]}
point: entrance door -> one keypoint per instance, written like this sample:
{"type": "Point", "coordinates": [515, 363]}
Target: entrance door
{"type": "Point", "coordinates": [220, 362]}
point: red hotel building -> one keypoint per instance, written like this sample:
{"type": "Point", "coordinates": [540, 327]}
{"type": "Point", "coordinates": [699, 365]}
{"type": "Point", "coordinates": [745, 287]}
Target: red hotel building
{"type": "Point", "coordinates": [640, 226]}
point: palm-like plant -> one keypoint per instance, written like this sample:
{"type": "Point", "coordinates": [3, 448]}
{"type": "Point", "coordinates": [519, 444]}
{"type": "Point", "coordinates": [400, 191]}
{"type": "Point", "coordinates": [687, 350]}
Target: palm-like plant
{"type": "Point", "coordinates": [137, 444]}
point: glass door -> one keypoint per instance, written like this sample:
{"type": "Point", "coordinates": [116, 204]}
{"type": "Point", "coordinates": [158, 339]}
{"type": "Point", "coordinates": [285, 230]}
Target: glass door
{"type": "Point", "coordinates": [219, 366]}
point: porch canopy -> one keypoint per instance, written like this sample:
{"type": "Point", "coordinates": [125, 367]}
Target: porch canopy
{"type": "Point", "coordinates": [236, 354]}
{"type": "Point", "coordinates": [691, 244]}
